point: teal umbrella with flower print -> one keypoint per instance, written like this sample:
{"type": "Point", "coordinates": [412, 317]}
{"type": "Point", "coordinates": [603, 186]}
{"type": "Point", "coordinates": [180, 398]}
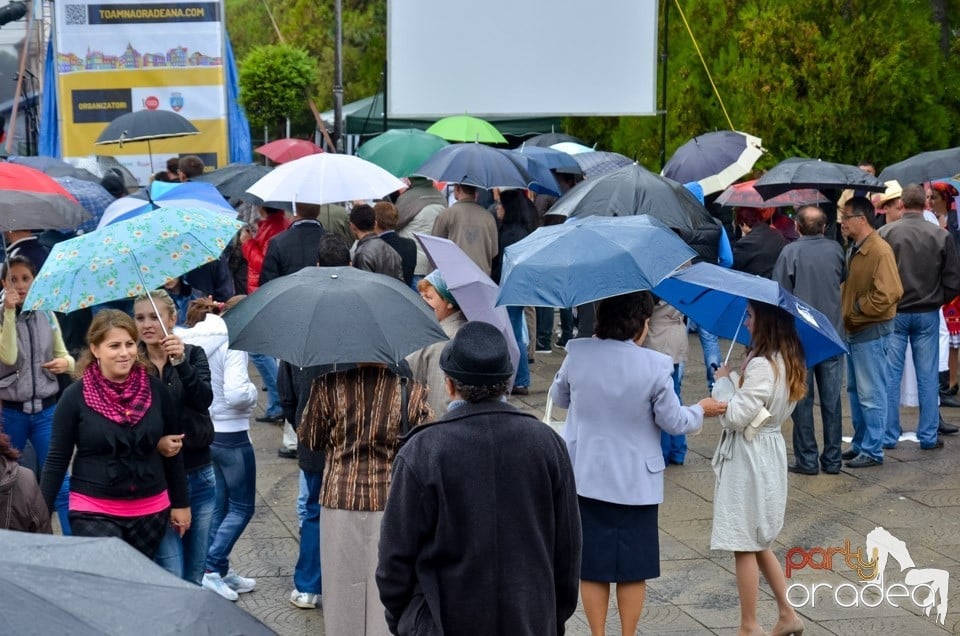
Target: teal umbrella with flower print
{"type": "Point", "coordinates": [125, 259]}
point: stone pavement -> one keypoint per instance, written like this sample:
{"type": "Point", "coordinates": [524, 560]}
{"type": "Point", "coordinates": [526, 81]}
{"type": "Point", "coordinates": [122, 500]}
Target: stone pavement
{"type": "Point", "coordinates": [915, 495]}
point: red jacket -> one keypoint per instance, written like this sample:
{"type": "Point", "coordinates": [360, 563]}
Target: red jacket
{"type": "Point", "coordinates": [255, 249]}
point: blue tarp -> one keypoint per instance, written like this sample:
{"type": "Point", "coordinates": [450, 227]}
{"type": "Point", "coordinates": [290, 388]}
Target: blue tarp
{"type": "Point", "coordinates": [49, 142]}
{"type": "Point", "coordinates": [238, 128]}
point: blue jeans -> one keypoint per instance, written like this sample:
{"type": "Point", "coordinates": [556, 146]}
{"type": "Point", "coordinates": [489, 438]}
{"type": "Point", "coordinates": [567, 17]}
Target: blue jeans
{"type": "Point", "coordinates": [187, 557]}
{"type": "Point", "coordinates": [923, 332]}
{"type": "Point", "coordinates": [519, 331]}
{"type": "Point", "coordinates": [829, 376]}
{"type": "Point", "coordinates": [37, 427]}
{"type": "Point", "coordinates": [267, 368]}
{"type": "Point", "coordinates": [674, 447]}
{"type": "Point", "coordinates": [306, 574]}
{"type": "Point", "coordinates": [867, 388]}
{"type": "Point", "coordinates": [711, 353]}
{"type": "Point", "coordinates": [302, 496]}
{"type": "Point", "coordinates": [235, 469]}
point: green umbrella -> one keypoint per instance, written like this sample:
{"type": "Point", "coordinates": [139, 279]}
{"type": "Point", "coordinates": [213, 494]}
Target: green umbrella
{"type": "Point", "coordinates": [467, 129]}
{"type": "Point", "coordinates": [401, 151]}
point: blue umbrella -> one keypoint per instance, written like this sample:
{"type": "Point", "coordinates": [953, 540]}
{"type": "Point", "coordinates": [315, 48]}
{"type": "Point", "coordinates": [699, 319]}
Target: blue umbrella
{"type": "Point", "coordinates": [92, 196]}
{"type": "Point", "coordinates": [716, 298]}
{"type": "Point", "coordinates": [556, 160]}
{"type": "Point", "coordinates": [714, 160]}
{"type": "Point", "coordinates": [600, 162]}
{"type": "Point", "coordinates": [476, 165]}
{"type": "Point", "coordinates": [192, 194]}
{"type": "Point", "coordinates": [542, 180]}
{"type": "Point", "coordinates": [588, 259]}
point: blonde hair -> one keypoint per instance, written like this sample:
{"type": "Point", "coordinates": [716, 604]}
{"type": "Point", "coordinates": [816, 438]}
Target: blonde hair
{"type": "Point", "coordinates": [162, 298]}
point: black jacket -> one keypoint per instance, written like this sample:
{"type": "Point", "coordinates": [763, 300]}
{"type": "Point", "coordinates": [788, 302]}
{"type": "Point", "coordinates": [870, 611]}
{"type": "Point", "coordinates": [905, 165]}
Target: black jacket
{"type": "Point", "coordinates": [757, 252]}
{"type": "Point", "coordinates": [293, 385]}
{"type": "Point", "coordinates": [292, 250]}
{"type": "Point", "coordinates": [481, 532]}
{"type": "Point", "coordinates": [407, 249]}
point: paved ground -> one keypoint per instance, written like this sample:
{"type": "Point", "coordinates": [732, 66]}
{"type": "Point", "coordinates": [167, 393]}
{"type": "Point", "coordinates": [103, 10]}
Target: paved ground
{"type": "Point", "coordinates": [915, 496]}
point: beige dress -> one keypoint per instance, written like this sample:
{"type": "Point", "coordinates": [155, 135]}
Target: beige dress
{"type": "Point", "coordinates": [750, 496]}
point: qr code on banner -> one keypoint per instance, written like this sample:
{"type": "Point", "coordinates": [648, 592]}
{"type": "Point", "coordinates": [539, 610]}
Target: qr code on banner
{"type": "Point", "coordinates": [75, 13]}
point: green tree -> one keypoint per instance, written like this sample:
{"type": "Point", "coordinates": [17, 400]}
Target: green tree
{"type": "Point", "coordinates": [275, 80]}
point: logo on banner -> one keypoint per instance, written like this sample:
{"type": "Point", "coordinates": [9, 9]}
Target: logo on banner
{"type": "Point", "coordinates": [176, 102]}
{"type": "Point", "coordinates": [926, 588]}
{"type": "Point", "coordinates": [152, 103]}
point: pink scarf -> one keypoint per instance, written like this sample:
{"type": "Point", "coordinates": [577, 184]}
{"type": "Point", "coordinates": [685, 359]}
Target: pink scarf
{"type": "Point", "coordinates": [121, 402]}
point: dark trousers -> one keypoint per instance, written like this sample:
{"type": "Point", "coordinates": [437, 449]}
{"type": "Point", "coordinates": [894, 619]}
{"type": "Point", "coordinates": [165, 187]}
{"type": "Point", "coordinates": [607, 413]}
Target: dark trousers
{"type": "Point", "coordinates": [545, 326]}
{"type": "Point", "coordinates": [829, 377]}
{"type": "Point", "coordinates": [143, 533]}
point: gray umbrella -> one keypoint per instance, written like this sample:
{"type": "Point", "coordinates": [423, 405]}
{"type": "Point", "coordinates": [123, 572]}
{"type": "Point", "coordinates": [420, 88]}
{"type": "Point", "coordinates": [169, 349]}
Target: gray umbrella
{"type": "Point", "coordinates": [98, 586]}
{"type": "Point", "coordinates": [926, 166]}
{"type": "Point", "coordinates": [55, 168]}
{"type": "Point", "coordinates": [796, 173]}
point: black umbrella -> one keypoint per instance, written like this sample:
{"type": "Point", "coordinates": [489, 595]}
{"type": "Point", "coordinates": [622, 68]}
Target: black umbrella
{"type": "Point", "coordinates": [477, 165]}
{"type": "Point", "coordinates": [926, 166]}
{"type": "Point", "coordinates": [96, 586]}
{"type": "Point", "coordinates": [233, 179]}
{"type": "Point", "coordinates": [548, 139]}
{"type": "Point", "coordinates": [55, 168]}
{"type": "Point", "coordinates": [146, 125]}
{"type": "Point", "coordinates": [635, 190]}
{"type": "Point", "coordinates": [333, 315]}
{"type": "Point", "coordinates": [796, 173]}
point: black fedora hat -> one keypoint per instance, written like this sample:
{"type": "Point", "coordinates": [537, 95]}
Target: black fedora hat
{"type": "Point", "coordinates": [477, 355]}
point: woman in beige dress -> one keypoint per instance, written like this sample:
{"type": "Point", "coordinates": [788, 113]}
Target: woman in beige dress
{"type": "Point", "coordinates": [750, 497]}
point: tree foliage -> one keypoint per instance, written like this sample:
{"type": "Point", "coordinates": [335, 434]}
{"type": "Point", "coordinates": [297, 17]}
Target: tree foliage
{"type": "Point", "coordinates": [275, 80]}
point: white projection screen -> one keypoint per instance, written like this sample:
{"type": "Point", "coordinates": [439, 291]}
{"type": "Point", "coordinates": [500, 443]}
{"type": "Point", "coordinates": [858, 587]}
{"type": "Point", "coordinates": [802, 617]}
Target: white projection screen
{"type": "Point", "coordinates": [521, 57]}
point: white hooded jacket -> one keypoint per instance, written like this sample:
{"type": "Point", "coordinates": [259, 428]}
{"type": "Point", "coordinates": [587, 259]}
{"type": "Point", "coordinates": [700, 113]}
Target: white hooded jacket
{"type": "Point", "coordinates": [234, 395]}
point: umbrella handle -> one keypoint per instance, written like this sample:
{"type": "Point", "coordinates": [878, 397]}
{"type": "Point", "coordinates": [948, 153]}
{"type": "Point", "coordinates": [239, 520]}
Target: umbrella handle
{"type": "Point", "coordinates": [153, 303]}
{"type": "Point", "coordinates": [735, 334]}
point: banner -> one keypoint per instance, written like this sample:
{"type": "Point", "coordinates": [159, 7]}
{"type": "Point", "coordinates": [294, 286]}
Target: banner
{"type": "Point", "coordinates": [114, 57]}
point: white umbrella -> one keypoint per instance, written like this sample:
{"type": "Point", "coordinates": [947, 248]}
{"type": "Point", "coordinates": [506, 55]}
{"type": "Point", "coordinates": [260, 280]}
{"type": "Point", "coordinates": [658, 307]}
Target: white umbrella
{"type": "Point", "coordinates": [326, 178]}
{"type": "Point", "coordinates": [572, 148]}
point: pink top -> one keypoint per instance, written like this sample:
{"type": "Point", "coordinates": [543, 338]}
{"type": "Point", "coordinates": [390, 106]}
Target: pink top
{"type": "Point", "coordinates": [120, 507]}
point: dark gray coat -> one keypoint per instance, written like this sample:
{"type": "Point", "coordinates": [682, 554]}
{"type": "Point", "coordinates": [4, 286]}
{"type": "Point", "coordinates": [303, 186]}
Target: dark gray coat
{"type": "Point", "coordinates": [481, 532]}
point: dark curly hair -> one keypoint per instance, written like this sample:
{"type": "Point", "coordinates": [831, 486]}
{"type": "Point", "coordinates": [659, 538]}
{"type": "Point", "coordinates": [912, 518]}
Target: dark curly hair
{"type": "Point", "coordinates": [623, 317]}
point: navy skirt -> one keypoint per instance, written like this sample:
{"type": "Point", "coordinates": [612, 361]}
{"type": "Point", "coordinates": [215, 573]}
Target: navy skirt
{"type": "Point", "coordinates": [621, 544]}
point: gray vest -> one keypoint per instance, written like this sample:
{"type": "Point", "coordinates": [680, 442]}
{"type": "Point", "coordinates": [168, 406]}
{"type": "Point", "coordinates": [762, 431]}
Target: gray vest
{"type": "Point", "coordinates": [26, 381]}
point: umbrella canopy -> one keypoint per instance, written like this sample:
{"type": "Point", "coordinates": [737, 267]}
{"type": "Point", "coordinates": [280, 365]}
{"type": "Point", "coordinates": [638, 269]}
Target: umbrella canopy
{"type": "Point", "coordinates": [716, 298]}
{"type": "Point", "coordinates": [796, 173]}
{"type": "Point", "coordinates": [714, 160]}
{"type": "Point", "coordinates": [191, 194]}
{"type": "Point", "coordinates": [92, 196]}
{"type": "Point", "coordinates": [542, 180]}
{"type": "Point", "coordinates": [146, 125]}
{"type": "Point", "coordinates": [466, 128]}
{"type": "Point", "coordinates": [546, 140]}
{"type": "Point", "coordinates": [54, 167]}
{"type": "Point", "coordinates": [401, 151]}
{"type": "Point", "coordinates": [100, 165]}
{"type": "Point", "coordinates": [474, 291]}
{"type": "Point", "coordinates": [286, 150]}
{"type": "Point", "coordinates": [326, 178]}
{"type": "Point", "coordinates": [926, 166]}
{"type": "Point", "coordinates": [333, 315]}
{"type": "Point", "coordinates": [476, 165]}
{"type": "Point", "coordinates": [555, 160]}
{"type": "Point", "coordinates": [597, 163]}
{"type": "Point", "coordinates": [572, 147]}
{"type": "Point", "coordinates": [129, 257]}
{"type": "Point", "coordinates": [71, 585]}
{"type": "Point", "coordinates": [635, 190]}
{"type": "Point", "coordinates": [584, 260]}
{"type": "Point", "coordinates": [232, 180]}
{"type": "Point", "coordinates": [30, 200]}
{"type": "Point", "coordinates": [744, 195]}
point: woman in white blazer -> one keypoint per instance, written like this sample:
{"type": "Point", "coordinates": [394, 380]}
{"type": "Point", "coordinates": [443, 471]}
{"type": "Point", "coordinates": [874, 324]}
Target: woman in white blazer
{"type": "Point", "coordinates": [619, 398]}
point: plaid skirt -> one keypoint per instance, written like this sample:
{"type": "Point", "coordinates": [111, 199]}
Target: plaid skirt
{"type": "Point", "coordinates": [143, 533]}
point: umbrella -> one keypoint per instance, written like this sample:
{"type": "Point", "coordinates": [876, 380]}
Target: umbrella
{"type": "Point", "coordinates": [129, 257]}
{"type": "Point", "coordinates": [796, 173]}
{"type": "Point", "coordinates": [146, 125]}
{"type": "Point", "coordinates": [32, 201]}
{"type": "Point", "coordinates": [474, 291]}
{"type": "Point", "coordinates": [286, 150]}
{"type": "Point", "coordinates": [333, 315]}
{"type": "Point", "coordinates": [100, 165]}
{"type": "Point", "coordinates": [572, 147]}
{"type": "Point", "coordinates": [716, 298]}
{"type": "Point", "coordinates": [92, 196]}
{"type": "Point", "coordinates": [546, 140]}
{"type": "Point", "coordinates": [926, 166]}
{"type": "Point", "coordinates": [233, 179]}
{"type": "Point", "coordinates": [326, 178]}
{"type": "Point", "coordinates": [466, 128]}
{"type": "Point", "coordinates": [555, 160]}
{"type": "Point", "coordinates": [584, 260]}
{"type": "Point", "coordinates": [402, 150]}
{"type": "Point", "coordinates": [86, 586]}
{"type": "Point", "coordinates": [476, 165]}
{"type": "Point", "coordinates": [714, 160]}
{"type": "Point", "coordinates": [542, 180]}
{"type": "Point", "coordinates": [635, 190]}
{"type": "Point", "coordinates": [54, 167]}
{"type": "Point", "coordinates": [744, 195]}
{"type": "Point", "coordinates": [597, 163]}
{"type": "Point", "coordinates": [192, 194]}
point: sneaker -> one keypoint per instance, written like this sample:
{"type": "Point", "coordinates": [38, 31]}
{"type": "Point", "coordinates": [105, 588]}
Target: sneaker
{"type": "Point", "coordinates": [304, 600]}
{"type": "Point", "coordinates": [213, 582]}
{"type": "Point", "coordinates": [239, 584]}
{"type": "Point", "coordinates": [544, 351]}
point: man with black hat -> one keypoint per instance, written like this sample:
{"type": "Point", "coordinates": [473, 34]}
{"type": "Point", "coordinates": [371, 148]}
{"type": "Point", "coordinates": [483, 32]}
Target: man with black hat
{"type": "Point", "coordinates": [482, 506]}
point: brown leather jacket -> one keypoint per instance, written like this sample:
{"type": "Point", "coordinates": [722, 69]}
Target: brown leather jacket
{"type": "Point", "coordinates": [21, 504]}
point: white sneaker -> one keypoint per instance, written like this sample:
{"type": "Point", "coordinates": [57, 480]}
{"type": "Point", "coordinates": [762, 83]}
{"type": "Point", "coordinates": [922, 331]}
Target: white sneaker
{"type": "Point", "coordinates": [304, 600]}
{"type": "Point", "coordinates": [239, 584]}
{"type": "Point", "coordinates": [213, 582]}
